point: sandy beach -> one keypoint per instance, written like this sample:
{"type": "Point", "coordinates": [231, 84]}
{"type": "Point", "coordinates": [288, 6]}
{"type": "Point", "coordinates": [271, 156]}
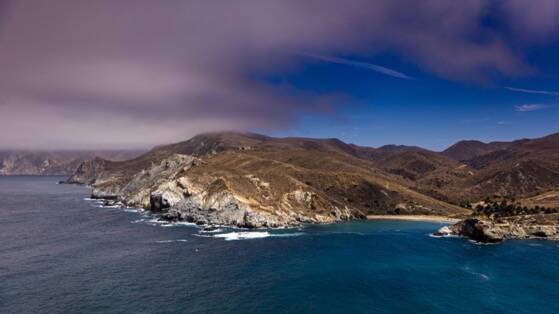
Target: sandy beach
{"type": "Point", "coordinates": [413, 218]}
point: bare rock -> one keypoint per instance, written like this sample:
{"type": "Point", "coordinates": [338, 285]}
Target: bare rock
{"type": "Point", "coordinates": [479, 230]}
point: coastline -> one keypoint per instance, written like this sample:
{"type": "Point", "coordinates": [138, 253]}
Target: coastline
{"type": "Point", "coordinates": [414, 218]}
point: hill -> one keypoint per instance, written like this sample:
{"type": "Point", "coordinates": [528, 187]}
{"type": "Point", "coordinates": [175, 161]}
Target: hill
{"type": "Point", "coordinates": [53, 162]}
{"type": "Point", "coordinates": [516, 169]}
{"type": "Point", "coordinates": [465, 150]}
{"type": "Point", "coordinates": [254, 180]}
{"type": "Point", "coordinates": [250, 179]}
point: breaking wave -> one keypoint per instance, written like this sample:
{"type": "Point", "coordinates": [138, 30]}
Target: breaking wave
{"type": "Point", "coordinates": [244, 235]}
{"type": "Point", "coordinates": [171, 241]}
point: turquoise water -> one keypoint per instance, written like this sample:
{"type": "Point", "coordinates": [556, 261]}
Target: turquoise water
{"type": "Point", "coordinates": [60, 253]}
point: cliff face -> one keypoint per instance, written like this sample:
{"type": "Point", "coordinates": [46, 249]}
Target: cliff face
{"type": "Point", "coordinates": [253, 181]}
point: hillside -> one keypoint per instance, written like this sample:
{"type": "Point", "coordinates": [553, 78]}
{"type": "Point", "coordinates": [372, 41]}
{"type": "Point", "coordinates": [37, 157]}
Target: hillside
{"type": "Point", "coordinates": [516, 169]}
{"type": "Point", "coordinates": [465, 150]}
{"type": "Point", "coordinates": [255, 180]}
{"type": "Point", "coordinates": [263, 180]}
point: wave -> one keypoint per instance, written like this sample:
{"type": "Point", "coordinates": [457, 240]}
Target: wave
{"type": "Point", "coordinates": [233, 236]}
{"type": "Point", "coordinates": [178, 224]}
{"type": "Point", "coordinates": [110, 206]}
{"type": "Point", "coordinates": [171, 241]}
{"type": "Point", "coordinates": [432, 235]}
{"type": "Point", "coordinates": [480, 275]}
{"type": "Point", "coordinates": [482, 243]}
{"type": "Point", "coordinates": [163, 223]}
{"type": "Point", "coordinates": [212, 231]}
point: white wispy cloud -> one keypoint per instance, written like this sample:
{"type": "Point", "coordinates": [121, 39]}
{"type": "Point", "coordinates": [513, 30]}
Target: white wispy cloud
{"type": "Point", "coordinates": [358, 64]}
{"type": "Point", "coordinates": [533, 91]}
{"type": "Point", "coordinates": [530, 107]}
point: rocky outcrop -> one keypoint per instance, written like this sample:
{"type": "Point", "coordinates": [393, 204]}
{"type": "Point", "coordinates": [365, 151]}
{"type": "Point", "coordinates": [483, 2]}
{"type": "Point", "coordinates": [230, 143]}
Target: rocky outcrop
{"type": "Point", "coordinates": [157, 188]}
{"type": "Point", "coordinates": [88, 171]}
{"type": "Point", "coordinates": [497, 230]}
{"type": "Point", "coordinates": [223, 209]}
{"type": "Point", "coordinates": [206, 200]}
{"type": "Point", "coordinates": [478, 230]}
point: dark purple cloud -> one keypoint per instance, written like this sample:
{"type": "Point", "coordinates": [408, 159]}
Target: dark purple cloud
{"type": "Point", "coordinates": [125, 73]}
{"type": "Point", "coordinates": [532, 21]}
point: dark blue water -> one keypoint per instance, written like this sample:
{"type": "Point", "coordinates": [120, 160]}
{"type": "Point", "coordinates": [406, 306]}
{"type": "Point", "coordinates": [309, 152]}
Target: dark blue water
{"type": "Point", "coordinates": [62, 254]}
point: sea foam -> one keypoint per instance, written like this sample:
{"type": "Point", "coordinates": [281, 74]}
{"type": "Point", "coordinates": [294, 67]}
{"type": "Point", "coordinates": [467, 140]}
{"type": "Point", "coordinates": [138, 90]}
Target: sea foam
{"type": "Point", "coordinates": [171, 241]}
{"type": "Point", "coordinates": [233, 236]}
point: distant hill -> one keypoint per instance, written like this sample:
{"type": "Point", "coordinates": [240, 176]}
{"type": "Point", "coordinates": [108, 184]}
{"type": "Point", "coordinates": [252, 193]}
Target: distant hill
{"type": "Point", "coordinates": [517, 169]}
{"type": "Point", "coordinates": [54, 162]}
{"type": "Point", "coordinates": [465, 150]}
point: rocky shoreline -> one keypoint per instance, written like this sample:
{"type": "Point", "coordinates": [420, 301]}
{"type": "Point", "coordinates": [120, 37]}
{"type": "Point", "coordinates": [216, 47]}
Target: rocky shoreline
{"type": "Point", "coordinates": [254, 181]}
{"type": "Point", "coordinates": [486, 230]}
{"type": "Point", "coordinates": [509, 228]}
{"type": "Point", "coordinates": [164, 189]}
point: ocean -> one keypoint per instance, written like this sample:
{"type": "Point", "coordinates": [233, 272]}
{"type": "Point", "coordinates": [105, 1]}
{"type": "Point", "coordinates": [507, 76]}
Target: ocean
{"type": "Point", "coordinates": [63, 253]}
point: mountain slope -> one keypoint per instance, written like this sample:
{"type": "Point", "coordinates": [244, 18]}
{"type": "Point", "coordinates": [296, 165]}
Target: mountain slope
{"type": "Point", "coordinates": [516, 169]}
{"type": "Point", "coordinates": [465, 150]}
{"type": "Point", "coordinates": [281, 181]}
{"type": "Point", "coordinates": [253, 180]}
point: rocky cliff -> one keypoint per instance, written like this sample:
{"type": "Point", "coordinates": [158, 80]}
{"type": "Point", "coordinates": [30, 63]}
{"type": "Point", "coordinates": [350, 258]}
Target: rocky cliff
{"type": "Point", "coordinates": [250, 180]}
{"type": "Point", "coordinates": [497, 230]}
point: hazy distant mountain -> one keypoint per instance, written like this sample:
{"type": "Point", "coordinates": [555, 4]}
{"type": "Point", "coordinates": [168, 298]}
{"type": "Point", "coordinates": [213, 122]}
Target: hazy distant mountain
{"type": "Point", "coordinates": [54, 162]}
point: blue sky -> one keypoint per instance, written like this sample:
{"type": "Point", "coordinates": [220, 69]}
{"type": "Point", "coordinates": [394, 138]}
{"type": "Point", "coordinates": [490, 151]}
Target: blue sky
{"type": "Point", "coordinates": [426, 110]}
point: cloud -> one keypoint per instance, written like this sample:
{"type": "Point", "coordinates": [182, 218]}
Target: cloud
{"type": "Point", "coordinates": [534, 22]}
{"type": "Point", "coordinates": [533, 91]}
{"type": "Point", "coordinates": [531, 107]}
{"type": "Point", "coordinates": [115, 74]}
{"type": "Point", "coordinates": [364, 65]}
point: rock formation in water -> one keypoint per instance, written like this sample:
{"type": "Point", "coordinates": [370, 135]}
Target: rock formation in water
{"type": "Point", "coordinates": [497, 230]}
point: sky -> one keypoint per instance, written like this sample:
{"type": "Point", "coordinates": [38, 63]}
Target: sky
{"type": "Point", "coordinates": [122, 74]}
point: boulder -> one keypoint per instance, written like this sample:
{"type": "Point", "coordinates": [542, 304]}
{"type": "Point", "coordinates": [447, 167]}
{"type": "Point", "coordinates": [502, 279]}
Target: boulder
{"type": "Point", "coordinates": [478, 230]}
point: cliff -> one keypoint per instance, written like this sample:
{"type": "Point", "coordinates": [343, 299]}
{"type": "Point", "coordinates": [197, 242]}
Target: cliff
{"type": "Point", "coordinates": [250, 180]}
